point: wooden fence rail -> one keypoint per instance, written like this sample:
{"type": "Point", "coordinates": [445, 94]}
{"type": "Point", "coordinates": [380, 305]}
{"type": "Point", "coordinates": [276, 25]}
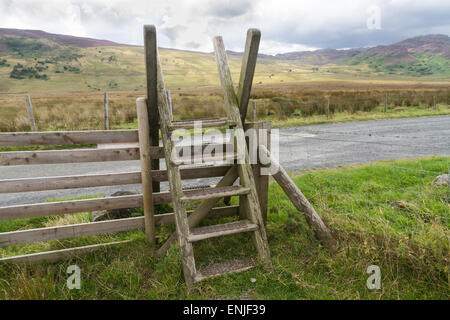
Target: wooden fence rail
{"type": "Point", "coordinates": [16, 158]}
{"type": "Point", "coordinates": [101, 180]}
{"type": "Point", "coordinates": [92, 180]}
{"type": "Point", "coordinates": [15, 139]}
{"type": "Point", "coordinates": [56, 255]}
{"type": "Point", "coordinates": [95, 228]}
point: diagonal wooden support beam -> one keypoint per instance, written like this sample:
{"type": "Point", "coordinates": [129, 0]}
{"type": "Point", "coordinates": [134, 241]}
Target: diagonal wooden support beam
{"type": "Point", "coordinates": [202, 211]}
{"type": "Point", "coordinates": [299, 200]}
{"type": "Point", "coordinates": [244, 167]}
{"type": "Point", "coordinates": [248, 70]}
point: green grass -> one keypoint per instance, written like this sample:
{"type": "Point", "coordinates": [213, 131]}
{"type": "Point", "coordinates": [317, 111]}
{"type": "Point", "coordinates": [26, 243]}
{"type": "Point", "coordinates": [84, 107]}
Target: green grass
{"type": "Point", "coordinates": [423, 65]}
{"type": "Point", "coordinates": [376, 114]}
{"type": "Point", "coordinates": [122, 68]}
{"type": "Point", "coordinates": [410, 245]}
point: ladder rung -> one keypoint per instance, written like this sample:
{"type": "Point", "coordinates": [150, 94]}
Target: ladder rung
{"type": "Point", "coordinates": [213, 158]}
{"type": "Point", "coordinates": [204, 186]}
{"type": "Point", "coordinates": [205, 123]}
{"type": "Point", "coordinates": [217, 269]}
{"type": "Point", "coordinates": [219, 230]}
{"type": "Point", "coordinates": [211, 193]}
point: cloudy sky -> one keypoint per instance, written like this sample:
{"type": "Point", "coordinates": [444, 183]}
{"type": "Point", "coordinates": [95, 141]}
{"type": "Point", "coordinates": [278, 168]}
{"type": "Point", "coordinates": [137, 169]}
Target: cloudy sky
{"type": "Point", "coordinates": [191, 24]}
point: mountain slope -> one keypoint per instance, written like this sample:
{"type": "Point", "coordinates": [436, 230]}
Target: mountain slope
{"type": "Point", "coordinates": [320, 57]}
{"type": "Point", "coordinates": [58, 38]}
{"type": "Point", "coordinates": [44, 62]}
{"type": "Point", "coordinates": [430, 45]}
{"type": "Point", "coordinates": [434, 44]}
{"type": "Point", "coordinates": [418, 56]}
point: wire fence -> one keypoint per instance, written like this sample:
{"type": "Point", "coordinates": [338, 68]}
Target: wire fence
{"type": "Point", "coordinates": [330, 103]}
{"type": "Point", "coordinates": [86, 111]}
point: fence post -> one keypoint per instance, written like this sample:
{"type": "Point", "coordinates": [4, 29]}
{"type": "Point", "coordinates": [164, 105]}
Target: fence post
{"type": "Point", "coordinates": [263, 180]}
{"type": "Point", "coordinates": [385, 102]}
{"type": "Point", "coordinates": [30, 113]}
{"type": "Point", "coordinates": [106, 107]}
{"type": "Point", "coordinates": [150, 48]}
{"type": "Point", "coordinates": [253, 119]}
{"type": "Point", "coordinates": [146, 168]}
{"type": "Point", "coordinates": [328, 108]}
{"type": "Point", "coordinates": [262, 132]}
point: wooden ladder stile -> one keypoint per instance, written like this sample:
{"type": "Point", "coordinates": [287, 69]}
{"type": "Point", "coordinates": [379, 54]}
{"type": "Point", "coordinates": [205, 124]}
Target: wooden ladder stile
{"type": "Point", "coordinates": [186, 231]}
{"type": "Point", "coordinates": [251, 201]}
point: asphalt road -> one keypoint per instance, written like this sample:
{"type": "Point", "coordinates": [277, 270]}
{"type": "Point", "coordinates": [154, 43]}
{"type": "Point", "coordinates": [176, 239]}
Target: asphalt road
{"type": "Point", "coordinates": [316, 146]}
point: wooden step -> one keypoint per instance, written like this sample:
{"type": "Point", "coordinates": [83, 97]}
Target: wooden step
{"type": "Point", "coordinates": [218, 269]}
{"type": "Point", "coordinates": [229, 157]}
{"type": "Point", "coordinates": [211, 193]}
{"type": "Point", "coordinates": [205, 123]}
{"type": "Point", "coordinates": [219, 230]}
{"type": "Point", "coordinates": [203, 186]}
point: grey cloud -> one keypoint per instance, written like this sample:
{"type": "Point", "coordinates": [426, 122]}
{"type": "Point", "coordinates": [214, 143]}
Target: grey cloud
{"type": "Point", "coordinates": [230, 8]}
{"type": "Point", "coordinates": [172, 32]}
{"type": "Point", "coordinates": [397, 23]}
{"type": "Point", "coordinates": [192, 24]}
{"type": "Point", "coordinates": [193, 45]}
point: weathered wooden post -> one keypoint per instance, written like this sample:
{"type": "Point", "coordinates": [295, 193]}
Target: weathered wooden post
{"type": "Point", "coordinates": [30, 113]}
{"type": "Point", "coordinates": [385, 102]}
{"type": "Point", "coordinates": [328, 108]}
{"type": "Point", "coordinates": [146, 168]}
{"type": "Point", "coordinates": [263, 131]}
{"type": "Point", "coordinates": [152, 96]}
{"type": "Point", "coordinates": [106, 108]}
{"type": "Point", "coordinates": [248, 70]}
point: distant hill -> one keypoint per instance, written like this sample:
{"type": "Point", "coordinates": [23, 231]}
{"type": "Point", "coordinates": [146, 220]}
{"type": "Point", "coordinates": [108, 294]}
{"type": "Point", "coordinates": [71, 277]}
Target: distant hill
{"type": "Point", "coordinates": [33, 60]}
{"type": "Point", "coordinates": [320, 57]}
{"type": "Point", "coordinates": [418, 56]}
{"type": "Point", "coordinates": [431, 45]}
{"type": "Point", "coordinates": [59, 38]}
{"type": "Point", "coordinates": [402, 51]}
